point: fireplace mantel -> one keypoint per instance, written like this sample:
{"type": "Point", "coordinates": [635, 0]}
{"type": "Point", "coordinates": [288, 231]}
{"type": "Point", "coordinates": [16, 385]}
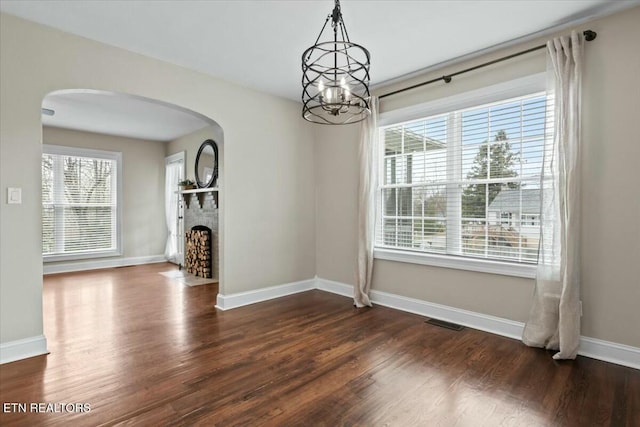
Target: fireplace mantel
{"type": "Point", "coordinates": [200, 193]}
{"type": "Point", "coordinates": [199, 190]}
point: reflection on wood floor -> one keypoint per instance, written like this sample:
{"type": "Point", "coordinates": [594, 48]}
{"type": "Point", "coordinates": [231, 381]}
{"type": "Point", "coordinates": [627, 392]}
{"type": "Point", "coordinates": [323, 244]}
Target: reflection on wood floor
{"type": "Point", "coordinates": [143, 351]}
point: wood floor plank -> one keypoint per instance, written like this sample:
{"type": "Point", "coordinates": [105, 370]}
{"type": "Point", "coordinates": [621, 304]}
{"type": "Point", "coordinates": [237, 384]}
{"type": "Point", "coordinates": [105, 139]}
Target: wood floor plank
{"type": "Point", "coordinates": [144, 350]}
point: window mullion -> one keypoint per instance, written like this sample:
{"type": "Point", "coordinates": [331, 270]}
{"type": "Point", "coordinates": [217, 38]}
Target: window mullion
{"type": "Point", "coordinates": [486, 187]}
{"type": "Point", "coordinates": [114, 205]}
{"type": "Point", "coordinates": [58, 203]}
{"type": "Point", "coordinates": [381, 163]}
{"type": "Point", "coordinates": [520, 161]}
{"type": "Point", "coordinates": [454, 190]}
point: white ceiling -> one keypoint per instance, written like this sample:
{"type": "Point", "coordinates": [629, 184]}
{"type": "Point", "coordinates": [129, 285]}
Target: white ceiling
{"type": "Point", "coordinates": [259, 44]}
{"type": "Point", "coordinates": [121, 115]}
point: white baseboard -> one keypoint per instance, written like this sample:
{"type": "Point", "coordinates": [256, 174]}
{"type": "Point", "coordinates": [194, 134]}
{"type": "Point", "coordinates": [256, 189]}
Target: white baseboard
{"type": "Point", "coordinates": [22, 349]}
{"type": "Point", "coordinates": [607, 351]}
{"type": "Point", "coordinates": [334, 287]}
{"type": "Point", "coordinates": [94, 264]}
{"type": "Point", "coordinates": [483, 322]}
{"type": "Point", "coordinates": [227, 302]}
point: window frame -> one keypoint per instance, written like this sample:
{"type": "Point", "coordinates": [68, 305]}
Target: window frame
{"type": "Point", "coordinates": [115, 156]}
{"type": "Point", "coordinates": [502, 91]}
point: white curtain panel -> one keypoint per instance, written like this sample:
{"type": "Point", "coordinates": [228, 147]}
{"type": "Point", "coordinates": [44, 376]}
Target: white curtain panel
{"type": "Point", "coordinates": [367, 190]}
{"type": "Point", "coordinates": [554, 321]}
{"type": "Point", "coordinates": [173, 173]}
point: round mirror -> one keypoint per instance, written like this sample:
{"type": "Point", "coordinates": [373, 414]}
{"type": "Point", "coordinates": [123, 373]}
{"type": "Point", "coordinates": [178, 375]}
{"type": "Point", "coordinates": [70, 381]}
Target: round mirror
{"type": "Point", "coordinates": [207, 164]}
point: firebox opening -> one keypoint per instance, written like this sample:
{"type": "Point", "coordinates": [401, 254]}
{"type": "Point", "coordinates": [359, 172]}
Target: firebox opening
{"type": "Point", "coordinates": [198, 251]}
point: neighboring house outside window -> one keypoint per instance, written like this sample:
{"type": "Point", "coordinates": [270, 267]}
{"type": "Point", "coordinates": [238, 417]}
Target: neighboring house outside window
{"type": "Point", "coordinates": [80, 203]}
{"type": "Point", "coordinates": [464, 184]}
{"type": "Point", "coordinates": [517, 212]}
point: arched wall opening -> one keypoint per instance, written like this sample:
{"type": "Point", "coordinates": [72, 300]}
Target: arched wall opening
{"type": "Point", "coordinates": [145, 131]}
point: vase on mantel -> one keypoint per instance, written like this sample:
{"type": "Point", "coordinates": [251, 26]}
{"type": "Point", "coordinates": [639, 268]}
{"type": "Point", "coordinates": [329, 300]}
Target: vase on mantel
{"type": "Point", "coordinates": [186, 184]}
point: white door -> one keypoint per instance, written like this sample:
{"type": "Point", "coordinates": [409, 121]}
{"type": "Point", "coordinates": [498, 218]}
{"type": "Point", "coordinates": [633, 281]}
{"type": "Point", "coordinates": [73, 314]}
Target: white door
{"type": "Point", "coordinates": [174, 172]}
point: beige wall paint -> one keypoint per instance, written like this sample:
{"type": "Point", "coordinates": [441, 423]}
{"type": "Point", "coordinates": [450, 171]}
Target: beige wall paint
{"type": "Point", "coordinates": [610, 179]}
{"type": "Point", "coordinates": [336, 156]}
{"type": "Point", "coordinates": [269, 181]}
{"type": "Point", "coordinates": [144, 232]}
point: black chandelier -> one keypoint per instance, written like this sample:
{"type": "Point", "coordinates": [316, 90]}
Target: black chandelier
{"type": "Point", "coordinates": [335, 77]}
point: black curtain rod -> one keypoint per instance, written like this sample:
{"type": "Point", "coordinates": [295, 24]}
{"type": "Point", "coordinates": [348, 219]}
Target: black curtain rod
{"type": "Point", "coordinates": [588, 36]}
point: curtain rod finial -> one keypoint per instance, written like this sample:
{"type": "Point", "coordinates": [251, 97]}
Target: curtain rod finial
{"type": "Point", "coordinates": [589, 35]}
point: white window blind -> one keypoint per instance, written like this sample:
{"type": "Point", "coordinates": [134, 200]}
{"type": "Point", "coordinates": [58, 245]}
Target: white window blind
{"type": "Point", "coordinates": [79, 203]}
{"type": "Point", "coordinates": [467, 182]}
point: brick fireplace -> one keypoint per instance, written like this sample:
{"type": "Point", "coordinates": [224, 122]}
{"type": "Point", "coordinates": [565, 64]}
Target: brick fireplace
{"type": "Point", "coordinates": [200, 213]}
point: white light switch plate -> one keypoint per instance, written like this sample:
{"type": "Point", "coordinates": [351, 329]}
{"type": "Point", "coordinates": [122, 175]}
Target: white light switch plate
{"type": "Point", "coordinates": [14, 196]}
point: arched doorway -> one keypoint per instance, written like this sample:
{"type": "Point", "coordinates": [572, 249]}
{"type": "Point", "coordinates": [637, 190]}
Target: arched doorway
{"type": "Point", "coordinates": [146, 133]}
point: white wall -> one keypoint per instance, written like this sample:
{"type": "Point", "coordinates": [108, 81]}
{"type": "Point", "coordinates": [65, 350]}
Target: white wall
{"type": "Point", "coordinates": [269, 188]}
{"type": "Point", "coordinates": [610, 179]}
{"type": "Point", "coordinates": [144, 232]}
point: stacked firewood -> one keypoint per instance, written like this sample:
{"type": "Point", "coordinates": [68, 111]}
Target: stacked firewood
{"type": "Point", "coordinates": [197, 256]}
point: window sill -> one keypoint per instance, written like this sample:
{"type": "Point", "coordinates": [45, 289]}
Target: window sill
{"type": "Point", "coordinates": [81, 256]}
{"type": "Point", "coordinates": [458, 263]}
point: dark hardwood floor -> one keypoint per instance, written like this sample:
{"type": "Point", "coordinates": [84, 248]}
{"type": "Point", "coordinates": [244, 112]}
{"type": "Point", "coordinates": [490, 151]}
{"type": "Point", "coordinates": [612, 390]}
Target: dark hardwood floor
{"type": "Point", "coordinates": [143, 350]}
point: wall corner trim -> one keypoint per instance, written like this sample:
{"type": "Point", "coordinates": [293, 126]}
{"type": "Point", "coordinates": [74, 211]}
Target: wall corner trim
{"type": "Point", "coordinates": [334, 287]}
{"type": "Point", "coordinates": [24, 348]}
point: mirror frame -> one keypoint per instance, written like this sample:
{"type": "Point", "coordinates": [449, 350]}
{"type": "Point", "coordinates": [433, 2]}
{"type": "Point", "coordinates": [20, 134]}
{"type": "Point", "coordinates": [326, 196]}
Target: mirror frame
{"type": "Point", "coordinates": [214, 176]}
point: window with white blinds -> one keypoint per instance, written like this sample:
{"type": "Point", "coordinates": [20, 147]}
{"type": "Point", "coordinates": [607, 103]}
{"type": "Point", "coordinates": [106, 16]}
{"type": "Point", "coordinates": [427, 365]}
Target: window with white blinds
{"type": "Point", "coordinates": [80, 203]}
{"type": "Point", "coordinates": [466, 182]}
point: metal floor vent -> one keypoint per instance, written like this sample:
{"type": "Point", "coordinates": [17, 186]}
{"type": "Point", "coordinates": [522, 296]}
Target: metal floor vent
{"type": "Point", "coordinates": [443, 324]}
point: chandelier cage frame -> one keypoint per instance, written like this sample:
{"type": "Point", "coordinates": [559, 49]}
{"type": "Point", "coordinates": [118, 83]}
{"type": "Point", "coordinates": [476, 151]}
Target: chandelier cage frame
{"type": "Point", "coordinates": [335, 77]}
